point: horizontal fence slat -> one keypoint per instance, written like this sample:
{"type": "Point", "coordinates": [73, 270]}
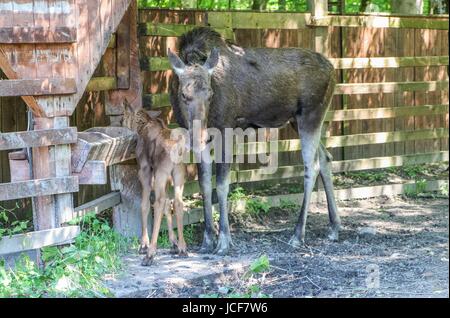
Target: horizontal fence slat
{"type": "Point", "coordinates": [38, 239]}
{"type": "Point", "coordinates": [98, 205]}
{"type": "Point", "coordinates": [379, 22]}
{"type": "Point", "coordinates": [37, 87]}
{"type": "Point", "coordinates": [37, 34]}
{"type": "Point", "coordinates": [343, 141]}
{"type": "Point", "coordinates": [388, 62]}
{"type": "Point", "coordinates": [391, 87]}
{"type": "Point", "coordinates": [174, 30]}
{"type": "Point", "coordinates": [385, 112]}
{"type": "Point", "coordinates": [104, 83]}
{"type": "Point", "coordinates": [269, 20]}
{"type": "Point", "coordinates": [162, 63]}
{"type": "Point", "coordinates": [253, 175]}
{"type": "Point", "coordinates": [38, 187]}
{"type": "Point", "coordinates": [38, 138]}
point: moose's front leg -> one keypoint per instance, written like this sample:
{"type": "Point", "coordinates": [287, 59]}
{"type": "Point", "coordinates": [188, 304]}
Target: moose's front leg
{"type": "Point", "coordinates": [222, 188]}
{"type": "Point", "coordinates": [204, 177]}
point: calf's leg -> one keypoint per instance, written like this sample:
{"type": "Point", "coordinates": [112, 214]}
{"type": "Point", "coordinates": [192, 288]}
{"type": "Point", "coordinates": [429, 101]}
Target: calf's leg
{"type": "Point", "coordinates": [178, 182]}
{"type": "Point", "coordinates": [325, 173]}
{"type": "Point", "coordinates": [145, 179]}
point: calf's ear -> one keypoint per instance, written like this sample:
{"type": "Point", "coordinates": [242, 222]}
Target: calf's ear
{"type": "Point", "coordinates": [212, 60]}
{"type": "Point", "coordinates": [177, 64]}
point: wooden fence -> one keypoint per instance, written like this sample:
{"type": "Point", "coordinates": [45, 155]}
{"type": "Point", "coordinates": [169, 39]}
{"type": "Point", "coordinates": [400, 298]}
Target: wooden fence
{"type": "Point", "coordinates": [390, 107]}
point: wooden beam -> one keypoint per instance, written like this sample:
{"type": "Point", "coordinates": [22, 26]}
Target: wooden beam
{"type": "Point", "coordinates": [98, 205]}
{"type": "Point", "coordinates": [373, 88]}
{"type": "Point", "coordinates": [104, 83]}
{"type": "Point", "coordinates": [38, 187]}
{"type": "Point", "coordinates": [385, 112]}
{"type": "Point", "coordinates": [6, 67]}
{"type": "Point", "coordinates": [345, 140]}
{"type": "Point", "coordinates": [174, 30]}
{"type": "Point", "coordinates": [37, 34]}
{"type": "Point", "coordinates": [93, 172]}
{"type": "Point", "coordinates": [123, 60]}
{"type": "Point", "coordinates": [254, 175]}
{"type": "Point", "coordinates": [379, 22]}
{"type": "Point", "coordinates": [267, 20]}
{"type": "Point", "coordinates": [38, 138]}
{"type": "Point", "coordinates": [38, 239]}
{"type": "Point", "coordinates": [37, 87]}
{"type": "Point", "coordinates": [109, 144]}
{"type": "Point", "coordinates": [388, 62]}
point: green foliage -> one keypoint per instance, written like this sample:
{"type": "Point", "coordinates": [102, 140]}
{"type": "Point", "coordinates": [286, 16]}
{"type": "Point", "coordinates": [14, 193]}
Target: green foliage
{"type": "Point", "coordinates": [370, 176]}
{"type": "Point", "coordinates": [443, 190]}
{"type": "Point", "coordinates": [189, 236]}
{"type": "Point", "coordinates": [238, 193]}
{"type": "Point", "coordinates": [412, 171]}
{"type": "Point", "coordinates": [71, 271]}
{"type": "Point", "coordinates": [10, 224]}
{"type": "Point", "coordinates": [287, 204]}
{"type": "Point", "coordinates": [257, 206]}
{"type": "Point", "coordinates": [418, 190]}
{"type": "Point", "coordinates": [260, 265]}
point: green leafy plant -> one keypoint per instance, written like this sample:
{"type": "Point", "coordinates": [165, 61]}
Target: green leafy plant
{"type": "Point", "coordinates": [236, 194]}
{"type": "Point", "coordinates": [256, 206]}
{"type": "Point", "coordinates": [74, 270]}
{"type": "Point", "coordinates": [189, 236]}
{"type": "Point", "coordinates": [287, 204]}
{"type": "Point", "coordinates": [9, 226]}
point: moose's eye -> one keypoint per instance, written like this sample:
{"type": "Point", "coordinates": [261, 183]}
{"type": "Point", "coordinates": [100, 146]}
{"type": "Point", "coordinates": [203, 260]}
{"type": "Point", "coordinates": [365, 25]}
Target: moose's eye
{"type": "Point", "coordinates": [186, 97]}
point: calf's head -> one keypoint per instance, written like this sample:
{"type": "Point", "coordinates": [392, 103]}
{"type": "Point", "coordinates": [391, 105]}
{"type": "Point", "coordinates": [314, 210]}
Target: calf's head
{"type": "Point", "coordinates": [136, 119]}
{"type": "Point", "coordinates": [195, 93]}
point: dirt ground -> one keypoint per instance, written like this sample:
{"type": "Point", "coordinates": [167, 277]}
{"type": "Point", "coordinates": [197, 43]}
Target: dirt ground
{"type": "Point", "coordinates": [389, 247]}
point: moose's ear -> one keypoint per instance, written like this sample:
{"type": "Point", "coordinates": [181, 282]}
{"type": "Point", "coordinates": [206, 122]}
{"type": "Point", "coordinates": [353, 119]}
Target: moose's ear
{"type": "Point", "coordinates": [176, 63]}
{"type": "Point", "coordinates": [212, 60]}
{"type": "Point", "coordinates": [153, 113]}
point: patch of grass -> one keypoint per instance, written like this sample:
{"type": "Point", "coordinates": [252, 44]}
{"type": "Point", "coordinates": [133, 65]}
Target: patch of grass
{"type": "Point", "coordinates": [256, 206]}
{"type": "Point", "coordinates": [368, 176]}
{"type": "Point", "coordinates": [10, 224]}
{"type": "Point", "coordinates": [443, 190]}
{"type": "Point", "coordinates": [73, 270]}
{"type": "Point", "coordinates": [286, 204]}
{"type": "Point", "coordinates": [418, 190]}
{"type": "Point", "coordinates": [412, 171]}
{"type": "Point", "coordinates": [238, 193]}
{"type": "Point", "coordinates": [189, 236]}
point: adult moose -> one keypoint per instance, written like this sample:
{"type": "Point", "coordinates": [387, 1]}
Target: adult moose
{"type": "Point", "coordinates": [226, 86]}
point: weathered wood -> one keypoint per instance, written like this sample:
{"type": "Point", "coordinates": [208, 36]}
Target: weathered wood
{"type": "Point", "coordinates": [371, 88]}
{"type": "Point", "coordinates": [156, 29]}
{"type": "Point", "coordinates": [38, 138]}
{"type": "Point", "coordinates": [156, 100]}
{"type": "Point", "coordinates": [104, 83]}
{"type": "Point", "coordinates": [385, 112]}
{"type": "Point", "coordinates": [98, 205]}
{"type": "Point", "coordinates": [38, 239]}
{"type": "Point", "coordinates": [386, 62]}
{"type": "Point", "coordinates": [379, 22]}
{"type": "Point", "coordinates": [162, 63]}
{"type": "Point", "coordinates": [346, 140]}
{"type": "Point", "coordinates": [6, 67]}
{"type": "Point", "coordinates": [93, 172]}
{"type": "Point", "coordinates": [21, 35]}
{"type": "Point", "coordinates": [19, 166]}
{"type": "Point", "coordinates": [268, 20]}
{"type": "Point", "coordinates": [38, 187]}
{"type": "Point", "coordinates": [37, 87]}
{"type": "Point", "coordinates": [127, 214]}
{"type": "Point", "coordinates": [123, 41]}
{"type": "Point", "coordinates": [109, 144]}
{"type": "Point", "coordinates": [253, 175]}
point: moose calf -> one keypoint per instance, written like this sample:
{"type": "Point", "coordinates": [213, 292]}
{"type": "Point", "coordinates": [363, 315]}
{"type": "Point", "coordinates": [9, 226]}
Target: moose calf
{"type": "Point", "coordinates": [156, 169]}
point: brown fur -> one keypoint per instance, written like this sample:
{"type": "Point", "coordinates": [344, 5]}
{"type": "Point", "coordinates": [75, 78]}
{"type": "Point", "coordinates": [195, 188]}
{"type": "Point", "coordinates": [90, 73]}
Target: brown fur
{"type": "Point", "coordinates": [156, 170]}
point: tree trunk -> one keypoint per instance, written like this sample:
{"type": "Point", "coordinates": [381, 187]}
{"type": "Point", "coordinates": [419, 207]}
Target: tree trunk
{"type": "Point", "coordinates": [407, 6]}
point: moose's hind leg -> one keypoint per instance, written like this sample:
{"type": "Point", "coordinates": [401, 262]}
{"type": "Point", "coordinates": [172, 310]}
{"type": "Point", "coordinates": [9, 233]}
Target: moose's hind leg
{"type": "Point", "coordinates": [310, 140]}
{"type": "Point", "coordinates": [326, 175]}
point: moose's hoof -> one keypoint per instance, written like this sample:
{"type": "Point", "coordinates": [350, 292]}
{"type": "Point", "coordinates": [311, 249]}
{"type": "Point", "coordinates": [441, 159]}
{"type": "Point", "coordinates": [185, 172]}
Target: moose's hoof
{"type": "Point", "coordinates": [183, 254]}
{"type": "Point", "coordinates": [333, 234]}
{"type": "Point", "coordinates": [173, 249]}
{"type": "Point", "coordinates": [143, 249]}
{"type": "Point", "coordinates": [295, 242]}
{"type": "Point", "coordinates": [148, 260]}
{"type": "Point", "coordinates": [207, 244]}
{"type": "Point", "coordinates": [223, 245]}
